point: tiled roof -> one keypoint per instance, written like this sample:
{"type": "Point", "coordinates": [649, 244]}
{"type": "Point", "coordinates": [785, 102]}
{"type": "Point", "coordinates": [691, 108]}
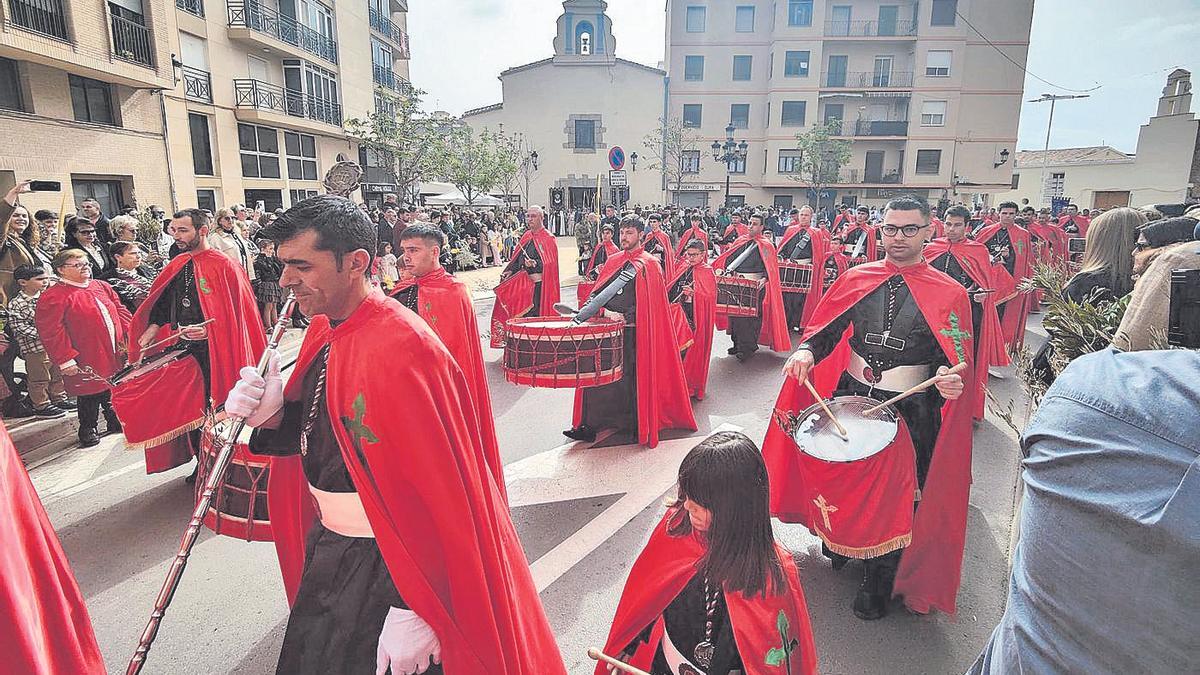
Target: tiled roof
{"type": "Point", "coordinates": [484, 109]}
{"type": "Point", "coordinates": [1091, 155]}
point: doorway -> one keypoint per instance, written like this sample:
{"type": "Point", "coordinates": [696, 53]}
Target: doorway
{"type": "Point", "coordinates": [582, 197]}
{"type": "Point", "coordinates": [873, 171]}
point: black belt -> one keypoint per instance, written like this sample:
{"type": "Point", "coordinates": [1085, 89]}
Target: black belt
{"type": "Point", "coordinates": [896, 337]}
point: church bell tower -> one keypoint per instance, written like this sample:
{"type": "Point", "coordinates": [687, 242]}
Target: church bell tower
{"type": "Point", "coordinates": [584, 33]}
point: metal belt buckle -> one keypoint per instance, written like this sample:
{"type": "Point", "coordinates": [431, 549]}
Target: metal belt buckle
{"type": "Point", "coordinates": [886, 340]}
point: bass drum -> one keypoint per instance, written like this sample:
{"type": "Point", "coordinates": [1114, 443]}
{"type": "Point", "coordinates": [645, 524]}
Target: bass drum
{"type": "Point", "coordinates": [239, 504]}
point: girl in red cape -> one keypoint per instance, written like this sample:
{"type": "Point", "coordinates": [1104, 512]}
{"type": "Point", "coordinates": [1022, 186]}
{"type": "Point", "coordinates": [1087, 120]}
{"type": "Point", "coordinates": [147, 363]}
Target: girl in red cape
{"type": "Point", "coordinates": [529, 283]}
{"type": "Point", "coordinates": [713, 592]}
{"type": "Point", "coordinates": [773, 331]}
{"type": "Point", "coordinates": [1014, 311]}
{"type": "Point", "coordinates": [46, 629]}
{"type": "Point", "coordinates": [695, 273]}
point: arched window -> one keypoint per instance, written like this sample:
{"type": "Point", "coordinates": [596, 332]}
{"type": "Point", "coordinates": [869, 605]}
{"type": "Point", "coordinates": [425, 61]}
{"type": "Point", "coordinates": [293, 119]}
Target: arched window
{"type": "Point", "coordinates": [583, 38]}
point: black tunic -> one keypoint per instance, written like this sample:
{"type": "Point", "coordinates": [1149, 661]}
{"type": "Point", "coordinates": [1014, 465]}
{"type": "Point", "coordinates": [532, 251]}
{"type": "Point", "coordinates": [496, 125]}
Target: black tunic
{"type": "Point", "coordinates": [655, 248]}
{"type": "Point", "coordinates": [798, 248]}
{"type": "Point", "coordinates": [675, 294]}
{"type": "Point", "coordinates": [530, 252]}
{"type": "Point", "coordinates": [744, 330]}
{"type": "Point", "coordinates": [685, 620]}
{"type": "Point", "coordinates": [1001, 240]}
{"type": "Point", "coordinates": [179, 305]}
{"type": "Point", "coordinates": [949, 265]}
{"type": "Point", "coordinates": [615, 405]}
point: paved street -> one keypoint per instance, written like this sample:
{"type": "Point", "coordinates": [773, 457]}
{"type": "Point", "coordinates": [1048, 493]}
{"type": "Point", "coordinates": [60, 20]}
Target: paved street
{"type": "Point", "coordinates": [582, 512]}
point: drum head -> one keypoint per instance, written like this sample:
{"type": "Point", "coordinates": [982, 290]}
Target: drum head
{"type": "Point", "coordinates": [816, 435]}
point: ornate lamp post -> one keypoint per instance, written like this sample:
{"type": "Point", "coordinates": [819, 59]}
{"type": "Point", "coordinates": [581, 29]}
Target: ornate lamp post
{"type": "Point", "coordinates": [729, 153]}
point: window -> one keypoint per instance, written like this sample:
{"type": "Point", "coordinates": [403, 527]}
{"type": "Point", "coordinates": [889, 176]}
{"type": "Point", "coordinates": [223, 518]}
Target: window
{"type": "Point", "coordinates": [1055, 184]}
{"type": "Point", "coordinates": [692, 114]}
{"type": "Point", "coordinates": [91, 100]}
{"type": "Point", "coordinates": [933, 114]}
{"type": "Point", "coordinates": [929, 162]}
{"type": "Point", "coordinates": [741, 67]}
{"type": "Point", "coordinates": [795, 64]}
{"type": "Point", "coordinates": [585, 134]}
{"type": "Point", "coordinates": [789, 161]}
{"type": "Point", "coordinates": [259, 148]}
{"type": "Point", "coordinates": [695, 19]}
{"type": "Point", "coordinates": [385, 105]}
{"type": "Point", "coordinates": [301, 155]}
{"type": "Point", "coordinates": [1016, 181]}
{"type": "Point", "coordinates": [793, 114]}
{"type": "Point", "coordinates": [693, 68]}
{"type": "Point", "coordinates": [202, 164]}
{"type": "Point", "coordinates": [739, 115]}
{"type": "Point", "coordinates": [206, 199]}
{"type": "Point", "coordinates": [689, 161]}
{"type": "Point", "coordinates": [943, 12]}
{"type": "Point", "coordinates": [743, 21]}
{"type": "Point", "coordinates": [737, 166]}
{"type": "Point", "coordinates": [937, 63]}
{"type": "Point", "coordinates": [10, 86]}
{"type": "Point", "coordinates": [298, 196]}
{"type": "Point", "coordinates": [800, 12]}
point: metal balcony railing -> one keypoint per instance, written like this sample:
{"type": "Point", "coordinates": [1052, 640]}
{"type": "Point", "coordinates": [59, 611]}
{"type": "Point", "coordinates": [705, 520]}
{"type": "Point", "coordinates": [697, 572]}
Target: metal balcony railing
{"type": "Point", "coordinates": [265, 96]}
{"type": "Point", "coordinates": [260, 18]}
{"type": "Point", "coordinates": [386, 27]}
{"type": "Point", "coordinates": [881, 128]}
{"type": "Point", "coordinates": [388, 79]}
{"type": "Point", "coordinates": [131, 42]}
{"type": "Point", "coordinates": [854, 176]}
{"type": "Point", "coordinates": [197, 84]}
{"type": "Point", "coordinates": [191, 6]}
{"type": "Point", "coordinates": [40, 16]}
{"type": "Point", "coordinates": [897, 28]}
{"type": "Point", "coordinates": [868, 80]}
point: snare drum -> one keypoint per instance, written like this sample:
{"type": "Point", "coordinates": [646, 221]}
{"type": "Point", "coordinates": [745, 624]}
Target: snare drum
{"type": "Point", "coordinates": [239, 504]}
{"type": "Point", "coordinates": [737, 296]}
{"type": "Point", "coordinates": [816, 435]}
{"type": "Point", "coordinates": [159, 399]}
{"type": "Point", "coordinates": [554, 353]}
{"type": "Point", "coordinates": [795, 277]}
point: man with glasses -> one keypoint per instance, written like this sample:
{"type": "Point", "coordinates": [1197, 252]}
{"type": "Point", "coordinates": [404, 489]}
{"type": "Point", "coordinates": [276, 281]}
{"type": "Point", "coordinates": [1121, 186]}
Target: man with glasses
{"type": "Point", "coordinates": [907, 322]}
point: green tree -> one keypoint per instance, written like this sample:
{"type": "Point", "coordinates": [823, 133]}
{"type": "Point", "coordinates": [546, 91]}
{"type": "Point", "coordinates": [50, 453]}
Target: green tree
{"type": "Point", "coordinates": [474, 162]}
{"type": "Point", "coordinates": [670, 146]}
{"type": "Point", "coordinates": [821, 157]}
{"type": "Point", "coordinates": [400, 140]}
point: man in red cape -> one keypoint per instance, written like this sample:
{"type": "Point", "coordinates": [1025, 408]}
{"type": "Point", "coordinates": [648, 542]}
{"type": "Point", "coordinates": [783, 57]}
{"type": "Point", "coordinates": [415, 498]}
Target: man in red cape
{"type": "Point", "coordinates": [658, 244]}
{"type": "Point", "coordinates": [695, 231]}
{"type": "Point", "coordinates": [969, 263]}
{"type": "Point", "coordinates": [805, 242]}
{"type": "Point", "coordinates": [409, 557]}
{"type": "Point", "coordinates": [197, 285]}
{"type": "Point", "coordinates": [861, 237]}
{"type": "Point", "coordinates": [735, 230]}
{"type": "Point", "coordinates": [445, 304]}
{"type": "Point", "coordinates": [529, 283]}
{"type": "Point", "coordinates": [46, 629]}
{"type": "Point", "coordinates": [600, 255]}
{"type": "Point", "coordinates": [1048, 239]}
{"type": "Point", "coordinates": [652, 393]}
{"type": "Point", "coordinates": [1012, 246]}
{"type": "Point", "coordinates": [769, 328]}
{"type": "Point", "coordinates": [1072, 223]}
{"type": "Point", "coordinates": [694, 287]}
{"type": "Point", "coordinates": [845, 323]}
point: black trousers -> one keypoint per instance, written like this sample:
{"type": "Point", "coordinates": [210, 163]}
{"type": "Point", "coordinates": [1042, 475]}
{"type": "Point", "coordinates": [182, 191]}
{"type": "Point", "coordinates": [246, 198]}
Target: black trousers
{"type": "Point", "coordinates": [89, 409]}
{"type": "Point", "coordinates": [615, 406]}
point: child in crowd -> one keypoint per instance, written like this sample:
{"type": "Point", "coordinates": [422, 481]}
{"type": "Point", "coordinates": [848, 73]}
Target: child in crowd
{"type": "Point", "coordinates": [387, 272]}
{"type": "Point", "coordinates": [45, 383]}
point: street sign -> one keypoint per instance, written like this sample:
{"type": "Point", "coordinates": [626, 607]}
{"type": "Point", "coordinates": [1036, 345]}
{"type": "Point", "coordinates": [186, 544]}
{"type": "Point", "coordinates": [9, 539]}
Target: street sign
{"type": "Point", "coordinates": [617, 179]}
{"type": "Point", "coordinates": [616, 158]}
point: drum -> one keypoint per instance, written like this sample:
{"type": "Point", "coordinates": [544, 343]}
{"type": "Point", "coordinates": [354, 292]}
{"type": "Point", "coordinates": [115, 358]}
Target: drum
{"type": "Point", "coordinates": [737, 296]}
{"type": "Point", "coordinates": [159, 399]}
{"type": "Point", "coordinates": [554, 353]}
{"type": "Point", "coordinates": [795, 277]}
{"type": "Point", "coordinates": [816, 435]}
{"type": "Point", "coordinates": [239, 504]}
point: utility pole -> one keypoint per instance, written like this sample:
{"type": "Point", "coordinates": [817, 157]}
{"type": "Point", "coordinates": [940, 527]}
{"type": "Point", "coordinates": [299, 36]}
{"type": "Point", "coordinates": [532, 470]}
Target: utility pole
{"type": "Point", "coordinates": [1052, 98]}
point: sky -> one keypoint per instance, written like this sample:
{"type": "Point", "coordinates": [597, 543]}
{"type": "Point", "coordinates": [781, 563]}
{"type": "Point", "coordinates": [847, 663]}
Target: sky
{"type": "Point", "coordinates": [459, 48]}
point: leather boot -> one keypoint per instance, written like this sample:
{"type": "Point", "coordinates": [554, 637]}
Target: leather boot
{"type": "Point", "coordinates": [112, 425]}
{"type": "Point", "coordinates": [870, 603]}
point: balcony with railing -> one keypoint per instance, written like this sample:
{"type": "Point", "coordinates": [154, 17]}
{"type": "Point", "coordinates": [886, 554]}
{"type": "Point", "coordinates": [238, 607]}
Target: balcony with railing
{"type": "Point", "coordinates": [838, 79]}
{"type": "Point", "coordinates": [868, 29]}
{"type": "Point", "coordinates": [263, 96]}
{"type": "Point", "coordinates": [45, 17]}
{"type": "Point", "coordinates": [263, 20]}
{"type": "Point", "coordinates": [381, 24]}
{"type": "Point", "coordinates": [387, 78]}
{"type": "Point", "coordinates": [131, 42]}
{"type": "Point", "coordinates": [191, 6]}
{"type": "Point", "coordinates": [197, 84]}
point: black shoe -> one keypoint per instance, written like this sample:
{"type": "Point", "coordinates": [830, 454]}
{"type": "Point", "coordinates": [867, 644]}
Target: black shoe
{"type": "Point", "coordinates": [17, 408]}
{"type": "Point", "coordinates": [191, 480]}
{"type": "Point", "coordinates": [732, 350]}
{"type": "Point", "coordinates": [580, 433]}
{"type": "Point", "coordinates": [745, 356]}
{"type": "Point", "coordinates": [49, 412]}
{"type": "Point", "coordinates": [112, 424]}
{"type": "Point", "coordinates": [88, 438]}
{"type": "Point", "coordinates": [67, 404]}
{"type": "Point", "coordinates": [868, 604]}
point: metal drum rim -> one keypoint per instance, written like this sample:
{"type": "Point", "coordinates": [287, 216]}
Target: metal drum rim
{"type": "Point", "coordinates": [816, 408]}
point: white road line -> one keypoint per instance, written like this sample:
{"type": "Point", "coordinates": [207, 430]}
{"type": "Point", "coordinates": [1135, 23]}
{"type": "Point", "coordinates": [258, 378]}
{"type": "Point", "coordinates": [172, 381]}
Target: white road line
{"type": "Point", "coordinates": [87, 485]}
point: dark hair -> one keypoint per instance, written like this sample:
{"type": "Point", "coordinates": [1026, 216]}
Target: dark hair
{"type": "Point", "coordinates": [694, 243]}
{"type": "Point", "coordinates": [199, 217]}
{"type": "Point", "coordinates": [27, 272]}
{"type": "Point", "coordinates": [960, 211]}
{"type": "Point", "coordinates": [431, 235]}
{"type": "Point", "coordinates": [726, 475]}
{"type": "Point", "coordinates": [653, 215]}
{"type": "Point", "coordinates": [434, 215]}
{"type": "Point", "coordinates": [120, 247]}
{"type": "Point", "coordinates": [44, 214]}
{"type": "Point", "coordinates": [863, 208]}
{"type": "Point", "coordinates": [909, 203]}
{"type": "Point", "coordinates": [340, 225]}
{"type": "Point", "coordinates": [695, 216]}
{"type": "Point", "coordinates": [631, 222]}
{"type": "Point", "coordinates": [1007, 205]}
{"type": "Point", "coordinates": [71, 230]}
{"type": "Point", "coordinates": [756, 214]}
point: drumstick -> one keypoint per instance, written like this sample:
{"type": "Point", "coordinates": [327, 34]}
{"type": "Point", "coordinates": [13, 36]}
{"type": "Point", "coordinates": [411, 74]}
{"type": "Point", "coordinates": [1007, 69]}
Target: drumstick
{"type": "Point", "coordinates": [821, 401]}
{"type": "Point", "coordinates": [174, 335]}
{"type": "Point", "coordinates": [912, 390]}
{"type": "Point", "coordinates": [598, 655]}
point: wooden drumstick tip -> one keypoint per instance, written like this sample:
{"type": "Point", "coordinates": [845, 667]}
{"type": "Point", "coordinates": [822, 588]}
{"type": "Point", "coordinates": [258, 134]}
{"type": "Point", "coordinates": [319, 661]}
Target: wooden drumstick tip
{"type": "Point", "coordinates": [597, 655]}
{"type": "Point", "coordinates": [825, 407]}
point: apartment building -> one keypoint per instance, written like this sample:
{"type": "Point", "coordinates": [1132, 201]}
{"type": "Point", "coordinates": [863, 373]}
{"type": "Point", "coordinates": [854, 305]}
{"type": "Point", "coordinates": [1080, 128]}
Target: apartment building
{"type": "Point", "coordinates": [930, 105]}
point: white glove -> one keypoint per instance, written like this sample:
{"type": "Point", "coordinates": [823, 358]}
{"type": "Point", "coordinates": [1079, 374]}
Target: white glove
{"type": "Point", "coordinates": [406, 644]}
{"type": "Point", "coordinates": [254, 398]}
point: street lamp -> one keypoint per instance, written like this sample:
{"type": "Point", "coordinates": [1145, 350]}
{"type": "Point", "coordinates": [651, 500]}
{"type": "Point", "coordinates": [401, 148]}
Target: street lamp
{"type": "Point", "coordinates": [1052, 98]}
{"type": "Point", "coordinates": [633, 157]}
{"type": "Point", "coordinates": [529, 164]}
{"type": "Point", "coordinates": [730, 153]}
{"type": "Point", "coordinates": [1003, 159]}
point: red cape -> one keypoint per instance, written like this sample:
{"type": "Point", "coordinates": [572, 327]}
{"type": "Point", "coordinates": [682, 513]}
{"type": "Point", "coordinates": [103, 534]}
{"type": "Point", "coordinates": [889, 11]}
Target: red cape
{"type": "Point", "coordinates": [584, 288]}
{"type": "Point", "coordinates": [546, 247]}
{"type": "Point", "coordinates": [446, 306]}
{"type": "Point", "coordinates": [1018, 308]}
{"type": "Point", "coordinates": [664, 241]}
{"type": "Point", "coordinates": [871, 250]}
{"type": "Point", "coordinates": [939, 228]}
{"type": "Point", "coordinates": [46, 629]}
{"type": "Point", "coordinates": [1054, 246]}
{"type": "Point", "coordinates": [932, 565]}
{"type": "Point", "coordinates": [71, 327]}
{"type": "Point", "coordinates": [704, 310]}
{"type": "Point", "coordinates": [688, 235]}
{"type": "Point", "coordinates": [662, 399]}
{"type": "Point", "coordinates": [774, 333]}
{"type": "Point", "coordinates": [1080, 222]}
{"type": "Point", "coordinates": [821, 250]}
{"type": "Point", "coordinates": [759, 623]}
{"type": "Point", "coordinates": [514, 295]}
{"type": "Point", "coordinates": [976, 262]}
{"type": "Point", "coordinates": [440, 519]}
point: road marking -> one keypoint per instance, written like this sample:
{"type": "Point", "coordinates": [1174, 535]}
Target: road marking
{"type": "Point", "coordinates": [87, 485]}
{"type": "Point", "coordinates": [74, 470]}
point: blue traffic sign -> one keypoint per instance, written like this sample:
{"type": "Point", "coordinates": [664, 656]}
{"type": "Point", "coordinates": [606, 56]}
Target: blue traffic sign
{"type": "Point", "coordinates": [616, 158]}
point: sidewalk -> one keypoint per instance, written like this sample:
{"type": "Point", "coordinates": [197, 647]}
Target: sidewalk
{"type": "Point", "coordinates": [481, 281]}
